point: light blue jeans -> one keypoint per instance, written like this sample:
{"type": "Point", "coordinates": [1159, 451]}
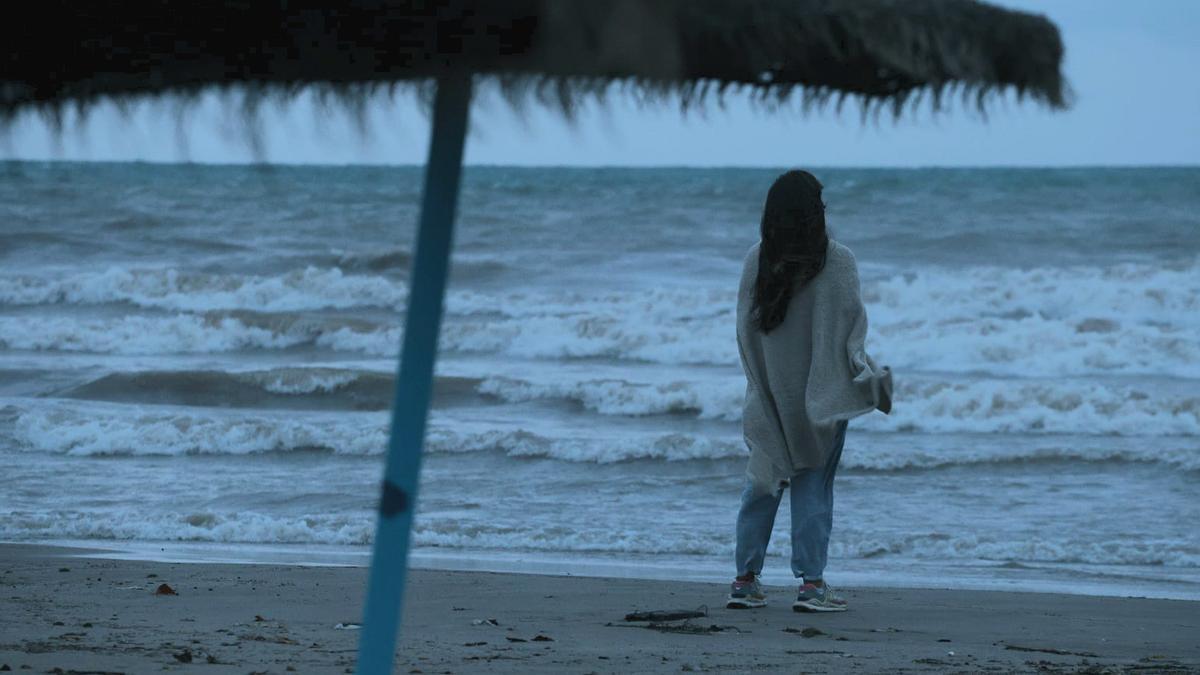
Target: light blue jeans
{"type": "Point", "coordinates": [812, 519]}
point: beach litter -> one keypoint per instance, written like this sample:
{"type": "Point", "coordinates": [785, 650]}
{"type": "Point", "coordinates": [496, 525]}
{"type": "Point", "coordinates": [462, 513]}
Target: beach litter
{"type": "Point", "coordinates": [537, 638]}
{"type": "Point", "coordinates": [662, 621]}
{"type": "Point", "coordinates": [277, 639]}
{"type": "Point", "coordinates": [688, 628]}
{"type": "Point", "coordinates": [667, 614]}
{"type": "Point", "coordinates": [485, 622]}
{"type": "Point", "coordinates": [1047, 650]}
{"type": "Point", "coordinates": [184, 656]}
{"type": "Point", "coordinates": [164, 589]}
{"type": "Point", "coordinates": [348, 626]}
{"type": "Point", "coordinates": [807, 631]}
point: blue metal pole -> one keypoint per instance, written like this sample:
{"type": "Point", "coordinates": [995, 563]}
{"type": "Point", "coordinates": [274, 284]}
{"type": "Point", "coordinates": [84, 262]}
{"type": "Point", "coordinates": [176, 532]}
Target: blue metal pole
{"type": "Point", "coordinates": [414, 384]}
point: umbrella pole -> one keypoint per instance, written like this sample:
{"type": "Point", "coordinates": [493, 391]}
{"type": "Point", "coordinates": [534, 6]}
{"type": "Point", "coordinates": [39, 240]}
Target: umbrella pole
{"type": "Point", "coordinates": [414, 384]}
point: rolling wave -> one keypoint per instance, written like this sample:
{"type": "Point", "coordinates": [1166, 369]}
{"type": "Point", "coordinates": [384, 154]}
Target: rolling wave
{"type": "Point", "coordinates": [1124, 320]}
{"type": "Point", "coordinates": [101, 429]}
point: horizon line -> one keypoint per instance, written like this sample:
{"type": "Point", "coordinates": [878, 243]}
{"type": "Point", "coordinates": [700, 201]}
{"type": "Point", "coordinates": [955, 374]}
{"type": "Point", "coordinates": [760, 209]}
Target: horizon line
{"type": "Point", "coordinates": [701, 167]}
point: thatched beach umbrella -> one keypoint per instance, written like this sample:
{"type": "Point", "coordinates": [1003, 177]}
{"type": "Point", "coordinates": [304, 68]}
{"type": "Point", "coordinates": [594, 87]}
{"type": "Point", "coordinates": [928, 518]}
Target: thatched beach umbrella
{"type": "Point", "coordinates": [884, 53]}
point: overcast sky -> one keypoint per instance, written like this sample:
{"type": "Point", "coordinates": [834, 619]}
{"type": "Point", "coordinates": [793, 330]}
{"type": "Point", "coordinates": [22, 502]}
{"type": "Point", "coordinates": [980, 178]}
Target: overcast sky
{"type": "Point", "coordinates": [1133, 67]}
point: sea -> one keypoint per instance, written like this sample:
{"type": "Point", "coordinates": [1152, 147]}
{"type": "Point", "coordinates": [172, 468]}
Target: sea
{"type": "Point", "coordinates": [197, 363]}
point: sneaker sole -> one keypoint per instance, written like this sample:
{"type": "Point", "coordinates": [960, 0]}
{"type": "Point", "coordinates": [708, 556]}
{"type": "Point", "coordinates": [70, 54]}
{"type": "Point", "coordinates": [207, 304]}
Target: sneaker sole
{"type": "Point", "coordinates": [741, 603]}
{"type": "Point", "coordinates": [805, 607]}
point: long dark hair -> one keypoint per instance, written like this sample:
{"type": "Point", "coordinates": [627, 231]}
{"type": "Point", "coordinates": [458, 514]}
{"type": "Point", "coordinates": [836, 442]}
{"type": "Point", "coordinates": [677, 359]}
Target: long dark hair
{"type": "Point", "coordinates": [793, 246]}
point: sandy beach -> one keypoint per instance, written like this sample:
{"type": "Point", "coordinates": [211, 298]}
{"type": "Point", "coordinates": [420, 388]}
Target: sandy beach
{"type": "Point", "coordinates": [60, 612]}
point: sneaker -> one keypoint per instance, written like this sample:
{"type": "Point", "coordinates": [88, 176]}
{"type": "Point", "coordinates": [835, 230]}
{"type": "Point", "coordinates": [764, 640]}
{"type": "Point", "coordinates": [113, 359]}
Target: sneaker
{"type": "Point", "coordinates": [818, 599]}
{"type": "Point", "coordinates": [746, 595]}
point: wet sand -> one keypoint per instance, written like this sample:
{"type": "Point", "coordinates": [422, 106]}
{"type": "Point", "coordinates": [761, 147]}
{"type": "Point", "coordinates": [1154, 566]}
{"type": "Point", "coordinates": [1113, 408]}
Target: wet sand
{"type": "Point", "coordinates": [61, 611]}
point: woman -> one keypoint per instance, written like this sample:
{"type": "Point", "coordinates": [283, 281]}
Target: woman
{"type": "Point", "coordinates": [801, 329]}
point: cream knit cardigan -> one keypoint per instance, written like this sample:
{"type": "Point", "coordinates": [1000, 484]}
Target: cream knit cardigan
{"type": "Point", "coordinates": [809, 373]}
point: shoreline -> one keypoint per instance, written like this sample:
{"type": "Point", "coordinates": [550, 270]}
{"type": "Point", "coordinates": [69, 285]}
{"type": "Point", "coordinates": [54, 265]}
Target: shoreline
{"type": "Point", "coordinates": [992, 577]}
{"type": "Point", "coordinates": [62, 610]}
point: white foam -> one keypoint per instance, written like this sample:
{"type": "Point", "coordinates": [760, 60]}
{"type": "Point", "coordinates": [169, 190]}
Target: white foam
{"type": "Point", "coordinates": [382, 342]}
{"type": "Point", "coordinates": [106, 429]}
{"type": "Point", "coordinates": [1124, 320]}
{"type": "Point", "coordinates": [208, 526]}
{"type": "Point", "coordinates": [1041, 406]}
{"type": "Point", "coordinates": [925, 452]}
{"type": "Point", "coordinates": [1129, 319]}
{"type": "Point", "coordinates": [93, 428]}
{"type": "Point", "coordinates": [922, 403]}
{"type": "Point", "coordinates": [357, 528]}
{"type": "Point", "coordinates": [711, 398]}
{"type": "Point", "coordinates": [857, 543]}
{"type": "Point", "coordinates": [515, 441]}
{"type": "Point", "coordinates": [844, 545]}
{"type": "Point", "coordinates": [172, 289]}
{"type": "Point", "coordinates": [189, 334]}
{"type": "Point", "coordinates": [301, 380]}
{"type": "Point", "coordinates": [141, 334]}
{"type": "Point", "coordinates": [678, 326]}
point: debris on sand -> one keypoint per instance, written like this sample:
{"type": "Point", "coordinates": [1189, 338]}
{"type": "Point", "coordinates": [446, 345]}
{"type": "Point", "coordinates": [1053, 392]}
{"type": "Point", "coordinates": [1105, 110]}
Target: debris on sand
{"type": "Point", "coordinates": [277, 639]}
{"type": "Point", "coordinates": [184, 656]}
{"type": "Point", "coordinates": [1047, 650]}
{"type": "Point", "coordinates": [347, 625]}
{"type": "Point", "coordinates": [164, 589]}
{"type": "Point", "coordinates": [667, 615]}
{"type": "Point", "coordinates": [807, 631]}
{"type": "Point", "coordinates": [686, 628]}
{"type": "Point", "coordinates": [661, 621]}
